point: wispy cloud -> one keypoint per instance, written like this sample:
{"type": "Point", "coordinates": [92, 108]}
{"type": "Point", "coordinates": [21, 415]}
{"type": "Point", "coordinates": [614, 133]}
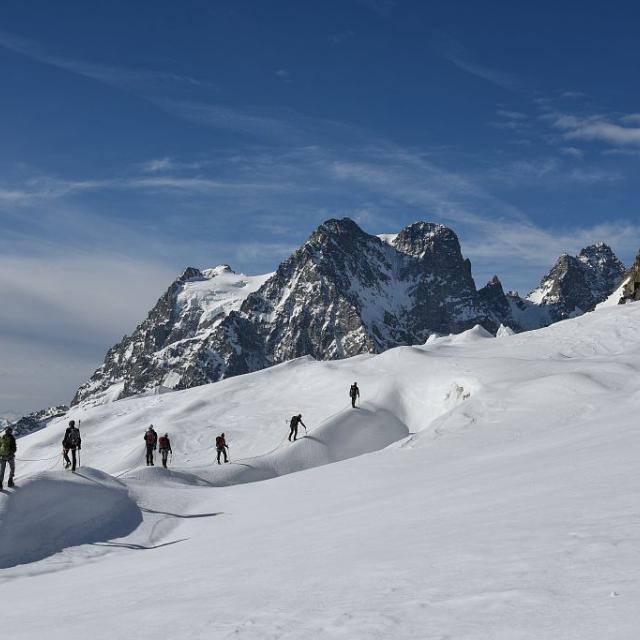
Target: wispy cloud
{"type": "Point", "coordinates": [341, 36]}
{"type": "Point", "coordinates": [512, 115]}
{"type": "Point", "coordinates": [284, 75]}
{"type": "Point", "coordinates": [47, 189]}
{"type": "Point", "coordinates": [573, 95]}
{"type": "Point", "coordinates": [381, 7]}
{"type": "Point", "coordinates": [157, 165]}
{"type": "Point", "coordinates": [625, 152]}
{"type": "Point", "coordinates": [594, 128]}
{"type": "Point", "coordinates": [227, 118]}
{"type": "Point", "coordinates": [605, 132]}
{"type": "Point", "coordinates": [455, 52]}
{"type": "Point", "coordinates": [129, 79]}
{"type": "Point", "coordinates": [573, 152]}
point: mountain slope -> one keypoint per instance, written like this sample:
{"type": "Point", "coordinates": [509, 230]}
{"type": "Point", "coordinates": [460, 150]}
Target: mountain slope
{"type": "Point", "coordinates": [508, 512]}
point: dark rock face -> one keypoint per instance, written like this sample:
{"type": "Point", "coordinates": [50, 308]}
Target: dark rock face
{"type": "Point", "coordinates": [577, 284]}
{"type": "Point", "coordinates": [630, 288]}
{"type": "Point", "coordinates": [344, 292]}
{"type": "Point", "coordinates": [494, 299]}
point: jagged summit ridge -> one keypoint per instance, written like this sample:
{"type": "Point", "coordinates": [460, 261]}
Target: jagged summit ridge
{"type": "Point", "coordinates": [343, 292]}
{"type": "Point", "coordinates": [577, 284]}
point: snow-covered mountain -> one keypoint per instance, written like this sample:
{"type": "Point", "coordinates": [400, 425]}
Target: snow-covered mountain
{"type": "Point", "coordinates": [33, 421]}
{"type": "Point", "coordinates": [577, 284]}
{"type": "Point", "coordinates": [344, 292]}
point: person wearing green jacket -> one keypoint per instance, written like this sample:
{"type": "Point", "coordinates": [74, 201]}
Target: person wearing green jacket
{"type": "Point", "coordinates": [7, 455]}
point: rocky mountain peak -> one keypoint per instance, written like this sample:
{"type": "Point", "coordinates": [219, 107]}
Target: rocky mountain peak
{"type": "Point", "coordinates": [601, 258]}
{"type": "Point", "coordinates": [336, 229]}
{"type": "Point", "coordinates": [421, 238]}
{"type": "Point", "coordinates": [576, 284]}
{"type": "Point", "coordinates": [190, 273]}
{"type": "Point", "coordinates": [493, 297]}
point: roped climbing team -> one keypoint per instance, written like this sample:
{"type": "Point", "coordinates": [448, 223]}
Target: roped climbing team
{"type": "Point", "coordinates": [72, 444]}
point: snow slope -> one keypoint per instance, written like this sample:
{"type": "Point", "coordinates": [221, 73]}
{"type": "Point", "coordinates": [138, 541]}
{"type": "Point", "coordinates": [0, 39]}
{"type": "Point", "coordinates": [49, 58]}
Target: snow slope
{"type": "Point", "coordinates": [485, 489]}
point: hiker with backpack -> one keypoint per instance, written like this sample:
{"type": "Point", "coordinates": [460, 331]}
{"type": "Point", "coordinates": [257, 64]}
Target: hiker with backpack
{"type": "Point", "coordinates": [222, 447]}
{"type": "Point", "coordinates": [354, 393]}
{"type": "Point", "coordinates": [293, 425]}
{"type": "Point", "coordinates": [151, 440]}
{"type": "Point", "coordinates": [7, 456]}
{"type": "Point", "coordinates": [71, 442]}
{"type": "Point", "coordinates": [164, 446]}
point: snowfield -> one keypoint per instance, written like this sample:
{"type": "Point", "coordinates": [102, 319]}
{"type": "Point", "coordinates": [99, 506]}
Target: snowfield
{"type": "Point", "coordinates": [485, 489]}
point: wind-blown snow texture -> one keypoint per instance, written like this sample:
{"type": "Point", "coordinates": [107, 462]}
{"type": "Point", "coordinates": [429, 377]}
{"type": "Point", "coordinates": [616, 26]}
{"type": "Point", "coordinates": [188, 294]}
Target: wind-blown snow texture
{"type": "Point", "coordinates": [505, 508]}
{"type": "Point", "coordinates": [344, 292]}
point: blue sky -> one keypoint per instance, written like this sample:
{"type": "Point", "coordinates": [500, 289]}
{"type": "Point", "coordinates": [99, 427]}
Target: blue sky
{"type": "Point", "coordinates": [140, 137]}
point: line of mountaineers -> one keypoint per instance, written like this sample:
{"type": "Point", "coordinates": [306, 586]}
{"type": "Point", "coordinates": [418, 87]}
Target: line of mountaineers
{"type": "Point", "coordinates": [72, 444]}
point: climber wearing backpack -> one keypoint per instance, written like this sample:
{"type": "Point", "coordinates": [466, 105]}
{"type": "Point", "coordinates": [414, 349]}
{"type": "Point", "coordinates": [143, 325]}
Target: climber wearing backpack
{"type": "Point", "coordinates": [7, 455]}
{"type": "Point", "coordinates": [164, 446]}
{"type": "Point", "coordinates": [71, 442]}
{"type": "Point", "coordinates": [354, 393]}
{"type": "Point", "coordinates": [222, 447]}
{"type": "Point", "coordinates": [293, 425]}
{"type": "Point", "coordinates": [151, 439]}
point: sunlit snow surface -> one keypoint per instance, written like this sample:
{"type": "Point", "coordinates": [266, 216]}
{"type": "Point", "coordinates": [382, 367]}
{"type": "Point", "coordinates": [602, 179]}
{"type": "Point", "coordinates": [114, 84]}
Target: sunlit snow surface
{"type": "Point", "coordinates": [489, 490]}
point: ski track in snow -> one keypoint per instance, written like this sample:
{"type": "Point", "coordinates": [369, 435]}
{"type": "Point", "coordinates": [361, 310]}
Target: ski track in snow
{"type": "Point", "coordinates": [485, 489]}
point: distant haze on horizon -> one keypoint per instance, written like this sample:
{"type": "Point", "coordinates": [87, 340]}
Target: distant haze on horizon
{"type": "Point", "coordinates": [140, 139]}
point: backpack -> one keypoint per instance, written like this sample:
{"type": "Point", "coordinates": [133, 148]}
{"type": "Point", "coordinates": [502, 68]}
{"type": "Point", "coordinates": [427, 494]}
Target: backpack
{"type": "Point", "coordinates": [150, 437]}
{"type": "Point", "coordinates": [164, 442]}
{"type": "Point", "coordinates": [220, 443]}
{"type": "Point", "coordinates": [5, 447]}
{"type": "Point", "coordinates": [353, 391]}
{"type": "Point", "coordinates": [73, 437]}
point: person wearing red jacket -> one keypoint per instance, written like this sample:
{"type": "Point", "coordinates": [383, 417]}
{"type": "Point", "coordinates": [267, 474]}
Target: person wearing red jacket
{"type": "Point", "coordinates": [164, 447]}
{"type": "Point", "coordinates": [151, 441]}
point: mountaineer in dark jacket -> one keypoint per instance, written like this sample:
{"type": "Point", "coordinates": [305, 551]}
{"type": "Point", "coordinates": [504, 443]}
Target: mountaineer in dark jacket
{"type": "Point", "coordinates": [151, 440]}
{"type": "Point", "coordinates": [293, 425]}
{"type": "Point", "coordinates": [7, 456]}
{"type": "Point", "coordinates": [354, 393]}
{"type": "Point", "coordinates": [71, 442]}
{"type": "Point", "coordinates": [222, 447]}
{"type": "Point", "coordinates": [164, 446]}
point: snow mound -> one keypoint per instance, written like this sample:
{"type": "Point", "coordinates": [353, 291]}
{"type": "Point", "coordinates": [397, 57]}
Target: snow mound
{"type": "Point", "coordinates": [504, 332]}
{"type": "Point", "coordinates": [469, 336]}
{"type": "Point", "coordinates": [56, 510]}
{"type": "Point", "coordinates": [347, 434]}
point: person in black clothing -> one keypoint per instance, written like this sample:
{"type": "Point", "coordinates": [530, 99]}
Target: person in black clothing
{"type": "Point", "coordinates": [354, 392]}
{"type": "Point", "coordinates": [295, 421]}
{"type": "Point", "coordinates": [222, 447]}
{"type": "Point", "coordinates": [164, 446]}
{"type": "Point", "coordinates": [151, 440]}
{"type": "Point", "coordinates": [71, 442]}
{"type": "Point", "coordinates": [8, 450]}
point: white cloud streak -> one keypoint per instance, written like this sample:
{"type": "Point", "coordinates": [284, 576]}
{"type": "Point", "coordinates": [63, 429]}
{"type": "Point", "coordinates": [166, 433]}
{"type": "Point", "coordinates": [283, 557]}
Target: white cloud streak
{"type": "Point", "coordinates": [594, 128]}
{"type": "Point", "coordinates": [454, 52]}
{"type": "Point", "coordinates": [129, 79]}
